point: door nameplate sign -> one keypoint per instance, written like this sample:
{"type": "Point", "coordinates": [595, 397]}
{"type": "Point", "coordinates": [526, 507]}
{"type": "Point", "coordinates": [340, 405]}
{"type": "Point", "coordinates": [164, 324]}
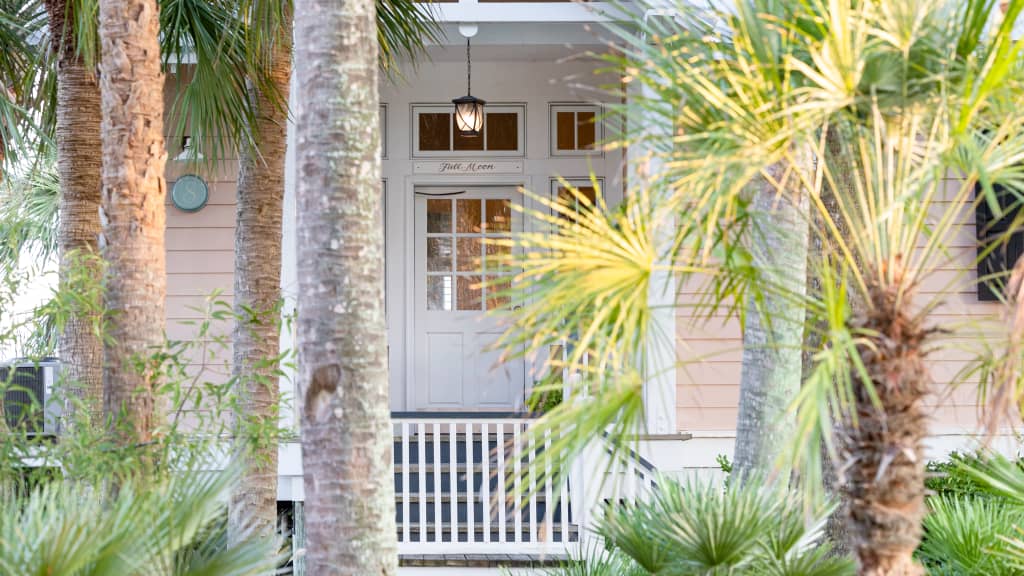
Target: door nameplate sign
{"type": "Point", "coordinates": [469, 167]}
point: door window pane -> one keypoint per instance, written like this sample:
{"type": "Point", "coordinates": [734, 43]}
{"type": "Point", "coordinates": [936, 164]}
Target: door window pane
{"type": "Point", "coordinates": [439, 254]}
{"type": "Point", "coordinates": [439, 292]}
{"type": "Point", "coordinates": [468, 255]}
{"type": "Point", "coordinates": [468, 217]}
{"type": "Point", "coordinates": [497, 256]}
{"type": "Point", "coordinates": [502, 131]}
{"type": "Point", "coordinates": [497, 293]}
{"type": "Point", "coordinates": [499, 216]}
{"type": "Point", "coordinates": [468, 296]}
{"type": "Point", "coordinates": [439, 216]}
{"type": "Point", "coordinates": [435, 131]}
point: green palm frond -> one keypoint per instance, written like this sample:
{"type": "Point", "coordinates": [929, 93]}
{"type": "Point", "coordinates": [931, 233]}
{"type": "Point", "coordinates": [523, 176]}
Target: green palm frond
{"type": "Point", "coordinates": [23, 59]}
{"type": "Point", "coordinates": [28, 215]}
{"type": "Point", "coordinates": [746, 528]}
{"type": "Point", "coordinates": [147, 528]}
{"type": "Point", "coordinates": [969, 536]}
{"type": "Point", "coordinates": [211, 102]}
{"type": "Point", "coordinates": [404, 28]}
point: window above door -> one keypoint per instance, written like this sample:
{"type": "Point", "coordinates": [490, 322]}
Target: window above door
{"type": "Point", "coordinates": [434, 133]}
{"type": "Point", "coordinates": [576, 130]}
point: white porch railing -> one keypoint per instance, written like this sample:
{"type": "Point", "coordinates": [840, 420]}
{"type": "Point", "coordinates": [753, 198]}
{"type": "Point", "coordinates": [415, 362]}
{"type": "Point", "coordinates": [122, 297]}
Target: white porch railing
{"type": "Point", "coordinates": [460, 486]}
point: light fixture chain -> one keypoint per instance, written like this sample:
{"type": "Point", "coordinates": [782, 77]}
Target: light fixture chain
{"type": "Point", "coordinates": [469, 70]}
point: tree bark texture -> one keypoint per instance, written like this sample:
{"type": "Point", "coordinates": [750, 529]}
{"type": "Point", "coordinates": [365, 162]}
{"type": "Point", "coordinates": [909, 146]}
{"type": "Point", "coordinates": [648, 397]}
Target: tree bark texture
{"type": "Point", "coordinates": [823, 246]}
{"type": "Point", "coordinates": [882, 452]}
{"type": "Point", "coordinates": [343, 383]}
{"type": "Point", "coordinates": [773, 334]}
{"type": "Point", "coordinates": [79, 162]}
{"type": "Point", "coordinates": [134, 189]}
{"type": "Point", "coordinates": [252, 510]}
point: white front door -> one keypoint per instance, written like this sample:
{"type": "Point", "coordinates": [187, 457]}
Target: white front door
{"type": "Point", "coordinates": [454, 367]}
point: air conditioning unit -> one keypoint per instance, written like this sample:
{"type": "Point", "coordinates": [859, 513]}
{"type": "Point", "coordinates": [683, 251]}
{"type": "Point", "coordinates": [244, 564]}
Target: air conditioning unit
{"type": "Point", "coordinates": [29, 405]}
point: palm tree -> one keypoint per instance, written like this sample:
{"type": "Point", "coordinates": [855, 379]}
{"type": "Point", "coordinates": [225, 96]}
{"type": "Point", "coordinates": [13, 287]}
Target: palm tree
{"type": "Point", "coordinates": [346, 434]}
{"type": "Point", "coordinates": [79, 162]}
{"type": "Point", "coordinates": [134, 189]}
{"type": "Point", "coordinates": [915, 94]}
{"type": "Point", "coordinates": [403, 28]}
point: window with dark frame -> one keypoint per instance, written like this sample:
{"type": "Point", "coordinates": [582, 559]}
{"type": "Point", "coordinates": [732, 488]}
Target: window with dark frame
{"type": "Point", "coordinates": [998, 237]}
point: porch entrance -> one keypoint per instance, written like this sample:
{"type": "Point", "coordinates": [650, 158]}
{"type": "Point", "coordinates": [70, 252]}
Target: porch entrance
{"type": "Point", "coordinates": [456, 283]}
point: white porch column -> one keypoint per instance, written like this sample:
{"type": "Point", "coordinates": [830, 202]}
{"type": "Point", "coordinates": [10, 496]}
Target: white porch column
{"type": "Point", "coordinates": [660, 377]}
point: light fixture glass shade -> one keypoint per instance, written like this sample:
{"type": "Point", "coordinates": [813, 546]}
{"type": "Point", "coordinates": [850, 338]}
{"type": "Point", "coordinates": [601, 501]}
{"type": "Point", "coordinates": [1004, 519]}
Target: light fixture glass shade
{"type": "Point", "coordinates": [469, 115]}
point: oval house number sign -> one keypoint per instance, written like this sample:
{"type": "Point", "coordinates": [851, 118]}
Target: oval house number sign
{"type": "Point", "coordinates": [190, 193]}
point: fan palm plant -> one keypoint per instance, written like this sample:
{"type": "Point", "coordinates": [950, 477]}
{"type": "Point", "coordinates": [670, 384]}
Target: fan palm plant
{"type": "Point", "coordinates": [700, 529]}
{"type": "Point", "coordinates": [925, 101]}
{"type": "Point", "coordinates": [158, 529]}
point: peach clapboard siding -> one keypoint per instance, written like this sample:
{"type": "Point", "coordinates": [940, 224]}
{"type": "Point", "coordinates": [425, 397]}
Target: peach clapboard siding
{"type": "Point", "coordinates": [710, 353]}
{"type": "Point", "coordinates": [200, 255]}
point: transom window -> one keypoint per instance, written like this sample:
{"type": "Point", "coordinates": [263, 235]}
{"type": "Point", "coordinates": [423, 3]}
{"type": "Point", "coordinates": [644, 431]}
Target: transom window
{"type": "Point", "coordinates": [575, 129]}
{"type": "Point", "coordinates": [463, 272]}
{"type": "Point", "coordinates": [434, 132]}
{"type": "Point", "coordinates": [584, 186]}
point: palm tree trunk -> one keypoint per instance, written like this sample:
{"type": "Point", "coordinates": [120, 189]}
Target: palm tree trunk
{"type": "Point", "coordinates": [79, 162]}
{"type": "Point", "coordinates": [134, 189]}
{"type": "Point", "coordinates": [883, 450]}
{"type": "Point", "coordinates": [343, 382]}
{"type": "Point", "coordinates": [772, 361]}
{"type": "Point", "coordinates": [253, 502]}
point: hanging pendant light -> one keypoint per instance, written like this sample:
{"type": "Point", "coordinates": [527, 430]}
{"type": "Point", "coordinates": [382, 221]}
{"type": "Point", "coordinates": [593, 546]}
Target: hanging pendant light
{"type": "Point", "coordinates": [469, 110]}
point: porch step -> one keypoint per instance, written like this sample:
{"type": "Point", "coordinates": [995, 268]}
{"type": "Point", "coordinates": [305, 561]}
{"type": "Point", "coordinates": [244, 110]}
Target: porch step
{"type": "Point", "coordinates": [482, 560]}
{"type": "Point", "coordinates": [427, 534]}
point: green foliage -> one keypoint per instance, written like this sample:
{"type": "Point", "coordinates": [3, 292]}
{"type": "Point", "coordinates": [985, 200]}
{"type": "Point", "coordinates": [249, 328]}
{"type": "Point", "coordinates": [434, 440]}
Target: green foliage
{"type": "Point", "coordinates": [954, 478]}
{"type": "Point", "coordinates": [968, 536]}
{"type": "Point", "coordinates": [145, 528]}
{"type": "Point", "coordinates": [28, 214]}
{"type": "Point", "coordinates": [724, 463]}
{"type": "Point", "coordinates": [699, 528]}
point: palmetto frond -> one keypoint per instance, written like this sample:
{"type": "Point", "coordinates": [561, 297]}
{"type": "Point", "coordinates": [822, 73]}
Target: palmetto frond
{"type": "Point", "coordinates": [970, 535]}
{"type": "Point", "coordinates": [404, 28]}
{"type": "Point", "coordinates": [28, 214]}
{"type": "Point", "coordinates": [146, 529]}
{"type": "Point", "coordinates": [22, 76]}
{"type": "Point", "coordinates": [701, 528]}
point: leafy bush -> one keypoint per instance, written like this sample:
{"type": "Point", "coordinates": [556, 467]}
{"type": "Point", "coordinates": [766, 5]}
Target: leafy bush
{"type": "Point", "coordinates": [146, 529]}
{"type": "Point", "coordinates": [953, 477]}
{"type": "Point", "coordinates": [966, 536]}
{"type": "Point", "coordinates": [741, 529]}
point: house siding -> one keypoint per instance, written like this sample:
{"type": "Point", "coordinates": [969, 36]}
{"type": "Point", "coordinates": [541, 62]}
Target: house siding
{"type": "Point", "coordinates": [711, 352]}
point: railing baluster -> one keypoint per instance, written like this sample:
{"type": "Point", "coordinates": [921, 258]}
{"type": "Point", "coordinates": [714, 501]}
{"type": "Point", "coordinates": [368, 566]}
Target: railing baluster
{"type": "Point", "coordinates": [532, 456]}
{"type": "Point", "coordinates": [485, 478]}
{"type": "Point", "coordinates": [549, 503]}
{"type": "Point", "coordinates": [438, 524]}
{"type": "Point", "coordinates": [421, 468]}
{"type": "Point", "coordinates": [517, 495]}
{"type": "Point", "coordinates": [470, 479]}
{"type": "Point", "coordinates": [406, 470]}
{"type": "Point", "coordinates": [564, 505]}
{"type": "Point", "coordinates": [502, 484]}
{"type": "Point", "coordinates": [453, 480]}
